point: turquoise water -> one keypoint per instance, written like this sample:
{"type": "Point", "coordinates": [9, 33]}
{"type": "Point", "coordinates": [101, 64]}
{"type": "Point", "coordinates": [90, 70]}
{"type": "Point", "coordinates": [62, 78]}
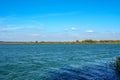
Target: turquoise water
{"type": "Point", "coordinates": [58, 62]}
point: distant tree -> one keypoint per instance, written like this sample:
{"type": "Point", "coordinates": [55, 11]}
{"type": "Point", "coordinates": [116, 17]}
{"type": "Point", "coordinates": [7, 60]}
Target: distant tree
{"type": "Point", "coordinates": [77, 41]}
{"type": "Point", "coordinates": [88, 41]}
{"type": "Point", "coordinates": [36, 41]}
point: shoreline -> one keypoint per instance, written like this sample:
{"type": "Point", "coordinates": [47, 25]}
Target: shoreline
{"type": "Point", "coordinates": [69, 42]}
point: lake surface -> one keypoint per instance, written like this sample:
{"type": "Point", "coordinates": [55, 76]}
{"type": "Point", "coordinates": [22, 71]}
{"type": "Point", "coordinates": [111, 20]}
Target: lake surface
{"type": "Point", "coordinates": [58, 61]}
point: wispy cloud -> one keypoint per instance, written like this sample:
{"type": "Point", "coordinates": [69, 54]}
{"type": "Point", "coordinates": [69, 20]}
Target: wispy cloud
{"type": "Point", "coordinates": [6, 19]}
{"type": "Point", "coordinates": [89, 31]}
{"type": "Point", "coordinates": [55, 14]}
{"type": "Point", "coordinates": [5, 29]}
{"type": "Point", "coordinates": [71, 29]}
{"type": "Point", "coordinates": [2, 20]}
{"type": "Point", "coordinates": [35, 35]}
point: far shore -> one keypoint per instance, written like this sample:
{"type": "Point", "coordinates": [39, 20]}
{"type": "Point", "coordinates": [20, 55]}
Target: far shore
{"type": "Point", "coordinates": [66, 42]}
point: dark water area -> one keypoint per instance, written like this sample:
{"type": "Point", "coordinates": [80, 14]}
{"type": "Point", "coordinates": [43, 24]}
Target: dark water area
{"type": "Point", "coordinates": [58, 61]}
{"type": "Point", "coordinates": [96, 72]}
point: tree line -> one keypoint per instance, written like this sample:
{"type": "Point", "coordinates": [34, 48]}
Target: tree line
{"type": "Point", "coordinates": [67, 42]}
{"type": "Point", "coordinates": [82, 42]}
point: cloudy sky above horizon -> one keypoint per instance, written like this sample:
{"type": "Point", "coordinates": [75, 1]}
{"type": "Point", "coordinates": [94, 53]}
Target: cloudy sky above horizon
{"type": "Point", "coordinates": [59, 20]}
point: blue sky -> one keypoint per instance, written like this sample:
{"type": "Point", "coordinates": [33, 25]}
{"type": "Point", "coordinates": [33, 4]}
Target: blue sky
{"type": "Point", "coordinates": [59, 20]}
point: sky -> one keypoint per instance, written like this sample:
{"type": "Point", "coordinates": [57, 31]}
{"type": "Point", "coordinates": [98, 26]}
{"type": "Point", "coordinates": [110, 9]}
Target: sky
{"type": "Point", "coordinates": [59, 20]}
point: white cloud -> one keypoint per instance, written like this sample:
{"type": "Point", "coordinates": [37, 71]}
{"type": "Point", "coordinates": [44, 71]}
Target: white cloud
{"type": "Point", "coordinates": [74, 28]}
{"type": "Point", "coordinates": [71, 29]}
{"type": "Point", "coordinates": [89, 31]}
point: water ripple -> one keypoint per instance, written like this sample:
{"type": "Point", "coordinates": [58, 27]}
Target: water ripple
{"type": "Point", "coordinates": [94, 72]}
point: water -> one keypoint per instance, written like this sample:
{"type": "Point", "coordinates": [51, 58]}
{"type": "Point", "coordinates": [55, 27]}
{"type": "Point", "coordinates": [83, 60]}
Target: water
{"type": "Point", "coordinates": [58, 61]}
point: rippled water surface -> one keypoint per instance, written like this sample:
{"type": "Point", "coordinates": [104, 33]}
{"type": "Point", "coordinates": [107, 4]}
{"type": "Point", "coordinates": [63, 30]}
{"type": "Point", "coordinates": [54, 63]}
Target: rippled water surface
{"type": "Point", "coordinates": [58, 62]}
